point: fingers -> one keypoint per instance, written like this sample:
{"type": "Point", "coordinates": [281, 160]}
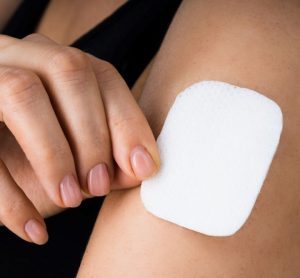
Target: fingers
{"type": "Point", "coordinates": [27, 112]}
{"type": "Point", "coordinates": [17, 213]}
{"type": "Point", "coordinates": [74, 86]}
{"type": "Point", "coordinates": [121, 180]}
{"type": "Point", "coordinates": [35, 37]}
{"type": "Point", "coordinates": [74, 93]}
{"type": "Point", "coordinates": [98, 178]}
{"type": "Point", "coordinates": [134, 146]}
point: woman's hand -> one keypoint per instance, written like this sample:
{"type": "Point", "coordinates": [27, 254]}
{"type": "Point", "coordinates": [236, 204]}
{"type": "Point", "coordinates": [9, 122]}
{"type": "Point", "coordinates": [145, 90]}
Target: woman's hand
{"type": "Point", "coordinates": [70, 129]}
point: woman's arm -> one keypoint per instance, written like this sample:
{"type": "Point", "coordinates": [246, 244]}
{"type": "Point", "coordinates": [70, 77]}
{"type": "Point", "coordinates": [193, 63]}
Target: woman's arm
{"type": "Point", "coordinates": [254, 44]}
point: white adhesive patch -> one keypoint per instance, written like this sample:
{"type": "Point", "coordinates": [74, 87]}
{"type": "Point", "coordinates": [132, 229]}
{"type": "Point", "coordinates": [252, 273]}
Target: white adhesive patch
{"type": "Point", "coordinates": [216, 147]}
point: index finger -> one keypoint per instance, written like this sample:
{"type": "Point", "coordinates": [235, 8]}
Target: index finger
{"type": "Point", "coordinates": [26, 110]}
{"type": "Point", "coordinates": [133, 143]}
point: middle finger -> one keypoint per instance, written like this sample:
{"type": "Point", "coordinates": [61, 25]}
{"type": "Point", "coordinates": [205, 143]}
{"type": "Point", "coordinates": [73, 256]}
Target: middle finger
{"type": "Point", "coordinates": [74, 93]}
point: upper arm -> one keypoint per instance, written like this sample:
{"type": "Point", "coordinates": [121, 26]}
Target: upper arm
{"type": "Point", "coordinates": [252, 44]}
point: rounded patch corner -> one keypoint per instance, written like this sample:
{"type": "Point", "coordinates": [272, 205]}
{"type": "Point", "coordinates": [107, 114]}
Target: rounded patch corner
{"type": "Point", "coordinates": [215, 156]}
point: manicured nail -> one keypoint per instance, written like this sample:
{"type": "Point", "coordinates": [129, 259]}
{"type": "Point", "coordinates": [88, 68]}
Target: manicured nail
{"type": "Point", "coordinates": [36, 231]}
{"type": "Point", "coordinates": [98, 180]}
{"type": "Point", "coordinates": [142, 163]}
{"type": "Point", "coordinates": [70, 192]}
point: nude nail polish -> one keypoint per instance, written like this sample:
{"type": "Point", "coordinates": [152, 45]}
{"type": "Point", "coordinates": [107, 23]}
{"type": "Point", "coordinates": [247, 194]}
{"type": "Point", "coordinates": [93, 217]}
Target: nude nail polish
{"type": "Point", "coordinates": [98, 180]}
{"type": "Point", "coordinates": [36, 231]}
{"type": "Point", "coordinates": [142, 163]}
{"type": "Point", "coordinates": [70, 191]}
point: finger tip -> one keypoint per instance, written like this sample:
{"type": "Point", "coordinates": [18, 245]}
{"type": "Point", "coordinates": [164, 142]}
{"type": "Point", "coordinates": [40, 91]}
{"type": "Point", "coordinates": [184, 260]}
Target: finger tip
{"type": "Point", "coordinates": [154, 152]}
{"type": "Point", "coordinates": [43, 240]}
{"type": "Point", "coordinates": [144, 162]}
{"type": "Point", "coordinates": [36, 231]}
{"type": "Point", "coordinates": [74, 203]}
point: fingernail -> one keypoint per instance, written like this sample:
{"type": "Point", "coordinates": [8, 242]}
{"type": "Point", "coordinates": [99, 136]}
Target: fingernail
{"type": "Point", "coordinates": [70, 192]}
{"type": "Point", "coordinates": [142, 163]}
{"type": "Point", "coordinates": [36, 231]}
{"type": "Point", "coordinates": [98, 180]}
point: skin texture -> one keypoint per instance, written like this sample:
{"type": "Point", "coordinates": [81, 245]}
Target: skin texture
{"type": "Point", "coordinates": [60, 21]}
{"type": "Point", "coordinates": [249, 43]}
{"type": "Point", "coordinates": [67, 119]}
{"type": "Point", "coordinates": [252, 44]}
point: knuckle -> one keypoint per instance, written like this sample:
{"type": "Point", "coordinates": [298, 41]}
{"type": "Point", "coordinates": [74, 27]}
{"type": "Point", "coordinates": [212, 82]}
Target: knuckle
{"type": "Point", "coordinates": [128, 122]}
{"type": "Point", "coordinates": [107, 75]}
{"type": "Point", "coordinates": [11, 209]}
{"type": "Point", "coordinates": [68, 59]}
{"type": "Point", "coordinates": [99, 142]}
{"type": "Point", "coordinates": [106, 66]}
{"type": "Point", "coordinates": [102, 140]}
{"type": "Point", "coordinates": [3, 37]}
{"type": "Point", "coordinates": [4, 40]}
{"type": "Point", "coordinates": [18, 86]}
{"type": "Point", "coordinates": [54, 153]}
{"type": "Point", "coordinates": [33, 36]}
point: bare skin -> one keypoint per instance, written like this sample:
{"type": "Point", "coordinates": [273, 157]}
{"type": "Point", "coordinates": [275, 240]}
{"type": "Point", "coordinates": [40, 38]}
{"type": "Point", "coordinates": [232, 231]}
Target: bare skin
{"type": "Point", "coordinates": [249, 43]}
{"type": "Point", "coordinates": [60, 23]}
{"type": "Point", "coordinates": [52, 158]}
{"type": "Point", "coordinates": [253, 44]}
{"type": "Point", "coordinates": [61, 20]}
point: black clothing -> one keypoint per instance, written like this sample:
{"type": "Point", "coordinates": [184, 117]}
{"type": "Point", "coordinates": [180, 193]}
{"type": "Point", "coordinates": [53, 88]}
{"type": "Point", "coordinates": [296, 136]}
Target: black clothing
{"type": "Point", "coordinates": [128, 38]}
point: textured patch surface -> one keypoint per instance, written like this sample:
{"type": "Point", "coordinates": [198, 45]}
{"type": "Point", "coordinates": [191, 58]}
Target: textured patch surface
{"type": "Point", "coordinates": [216, 147]}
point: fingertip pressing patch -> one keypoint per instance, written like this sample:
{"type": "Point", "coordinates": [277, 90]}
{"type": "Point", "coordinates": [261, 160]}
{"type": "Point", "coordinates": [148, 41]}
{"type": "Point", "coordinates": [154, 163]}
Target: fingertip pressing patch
{"type": "Point", "coordinates": [216, 147]}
